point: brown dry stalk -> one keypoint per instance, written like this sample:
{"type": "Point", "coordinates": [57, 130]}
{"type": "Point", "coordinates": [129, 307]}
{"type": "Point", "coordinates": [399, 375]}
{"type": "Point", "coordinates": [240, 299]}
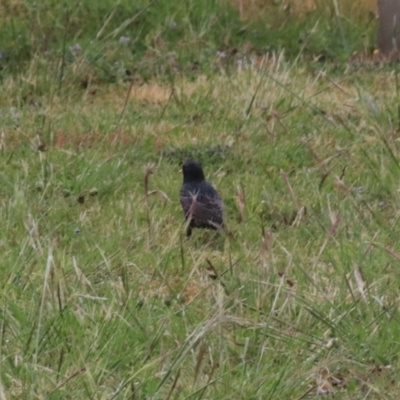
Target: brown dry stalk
{"type": "Point", "coordinates": [200, 358]}
{"type": "Point", "coordinates": [174, 384]}
{"type": "Point", "coordinates": [80, 371]}
{"type": "Point", "coordinates": [291, 191]}
{"type": "Point", "coordinates": [241, 204]}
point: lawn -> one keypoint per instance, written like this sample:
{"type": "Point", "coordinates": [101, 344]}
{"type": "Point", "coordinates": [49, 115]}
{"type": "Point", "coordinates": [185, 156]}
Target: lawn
{"type": "Point", "coordinates": [103, 296]}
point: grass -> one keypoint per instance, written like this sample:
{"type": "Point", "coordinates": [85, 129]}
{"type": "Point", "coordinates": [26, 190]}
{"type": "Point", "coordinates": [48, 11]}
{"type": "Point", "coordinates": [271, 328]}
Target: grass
{"type": "Point", "coordinates": [103, 297]}
{"type": "Point", "coordinates": [156, 38]}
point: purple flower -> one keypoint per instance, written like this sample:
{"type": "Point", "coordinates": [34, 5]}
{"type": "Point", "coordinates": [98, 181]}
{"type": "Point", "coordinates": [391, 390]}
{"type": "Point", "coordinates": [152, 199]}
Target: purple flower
{"type": "Point", "coordinates": [321, 392]}
{"type": "Point", "coordinates": [221, 54]}
{"type": "Point", "coordinates": [76, 49]}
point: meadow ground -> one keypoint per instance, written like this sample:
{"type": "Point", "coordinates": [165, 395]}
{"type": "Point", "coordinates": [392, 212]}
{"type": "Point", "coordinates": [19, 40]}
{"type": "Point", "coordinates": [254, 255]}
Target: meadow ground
{"type": "Point", "coordinates": [103, 297]}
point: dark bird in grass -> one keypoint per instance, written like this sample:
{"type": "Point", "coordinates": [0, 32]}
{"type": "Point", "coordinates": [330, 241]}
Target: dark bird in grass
{"type": "Point", "coordinates": [201, 203]}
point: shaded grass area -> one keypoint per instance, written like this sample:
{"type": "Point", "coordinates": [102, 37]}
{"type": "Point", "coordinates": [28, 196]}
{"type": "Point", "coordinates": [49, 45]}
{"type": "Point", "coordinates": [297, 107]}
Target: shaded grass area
{"type": "Point", "coordinates": [111, 41]}
{"type": "Point", "coordinates": [102, 296]}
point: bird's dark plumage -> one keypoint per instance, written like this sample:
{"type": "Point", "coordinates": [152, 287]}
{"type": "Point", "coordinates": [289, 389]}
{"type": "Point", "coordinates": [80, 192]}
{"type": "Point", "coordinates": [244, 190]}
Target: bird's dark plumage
{"type": "Point", "coordinates": [201, 203]}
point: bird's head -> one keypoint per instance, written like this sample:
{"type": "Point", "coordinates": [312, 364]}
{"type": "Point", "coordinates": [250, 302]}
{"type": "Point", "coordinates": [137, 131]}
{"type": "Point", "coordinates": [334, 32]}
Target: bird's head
{"type": "Point", "coordinates": [192, 172]}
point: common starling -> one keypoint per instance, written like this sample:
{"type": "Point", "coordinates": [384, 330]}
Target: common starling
{"type": "Point", "coordinates": [201, 203]}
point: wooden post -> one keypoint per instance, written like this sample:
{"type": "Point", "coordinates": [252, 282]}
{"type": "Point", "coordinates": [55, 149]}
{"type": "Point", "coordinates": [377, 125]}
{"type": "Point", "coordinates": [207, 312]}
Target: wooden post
{"type": "Point", "coordinates": [389, 25]}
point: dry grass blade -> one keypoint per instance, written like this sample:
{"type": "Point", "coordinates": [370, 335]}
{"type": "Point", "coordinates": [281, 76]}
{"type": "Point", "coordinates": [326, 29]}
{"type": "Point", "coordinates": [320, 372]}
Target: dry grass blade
{"type": "Point", "coordinates": [241, 203]}
{"type": "Point", "coordinates": [149, 171]}
{"type": "Point", "coordinates": [158, 191]}
{"type": "Point", "coordinates": [291, 191]}
{"type": "Point", "coordinates": [392, 253]}
{"type": "Point", "coordinates": [315, 155]}
{"type": "Point", "coordinates": [210, 376]}
{"type": "Point", "coordinates": [49, 266]}
{"type": "Point", "coordinates": [267, 254]}
{"type": "Point", "coordinates": [72, 376]}
{"type": "Point", "coordinates": [199, 361]}
{"type": "Point", "coordinates": [214, 274]}
{"type": "Point", "coordinates": [361, 284]}
{"type": "Point", "coordinates": [2, 392]}
{"type": "Point", "coordinates": [299, 216]}
{"type": "Point", "coordinates": [174, 383]}
{"type": "Point", "coordinates": [331, 231]}
{"type": "Point", "coordinates": [214, 319]}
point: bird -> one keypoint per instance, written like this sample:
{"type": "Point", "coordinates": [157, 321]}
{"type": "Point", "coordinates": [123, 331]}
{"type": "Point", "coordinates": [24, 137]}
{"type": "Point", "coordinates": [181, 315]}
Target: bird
{"type": "Point", "coordinates": [201, 203]}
